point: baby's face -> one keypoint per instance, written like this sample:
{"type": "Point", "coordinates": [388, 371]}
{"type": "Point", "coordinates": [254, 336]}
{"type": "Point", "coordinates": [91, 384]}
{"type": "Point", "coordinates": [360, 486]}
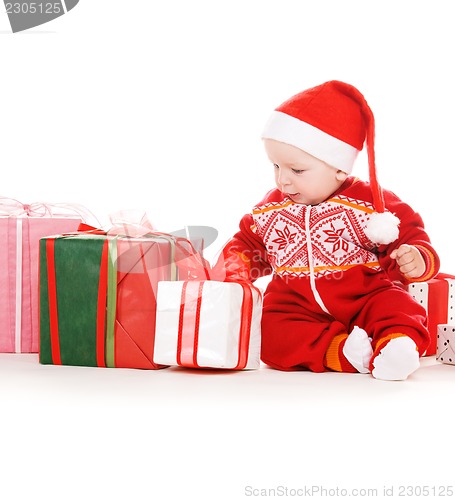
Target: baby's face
{"type": "Point", "coordinates": [302, 177]}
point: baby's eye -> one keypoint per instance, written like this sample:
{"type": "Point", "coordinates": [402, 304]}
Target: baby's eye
{"type": "Point", "coordinates": [297, 171]}
{"type": "Point", "coordinates": [275, 166]}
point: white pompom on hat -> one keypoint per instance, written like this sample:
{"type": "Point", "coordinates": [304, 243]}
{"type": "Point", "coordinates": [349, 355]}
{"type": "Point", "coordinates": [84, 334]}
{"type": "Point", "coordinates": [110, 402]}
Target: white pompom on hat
{"type": "Point", "coordinates": [332, 122]}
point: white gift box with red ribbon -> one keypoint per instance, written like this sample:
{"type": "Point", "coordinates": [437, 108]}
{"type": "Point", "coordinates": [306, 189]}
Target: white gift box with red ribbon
{"type": "Point", "coordinates": [437, 296]}
{"type": "Point", "coordinates": [208, 324]}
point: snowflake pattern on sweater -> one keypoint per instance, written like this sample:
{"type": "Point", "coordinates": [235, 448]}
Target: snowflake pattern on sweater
{"type": "Point", "coordinates": [330, 238]}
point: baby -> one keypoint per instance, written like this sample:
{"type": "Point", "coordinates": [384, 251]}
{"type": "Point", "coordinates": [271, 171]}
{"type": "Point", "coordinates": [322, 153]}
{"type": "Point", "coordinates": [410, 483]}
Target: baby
{"type": "Point", "coordinates": [336, 246]}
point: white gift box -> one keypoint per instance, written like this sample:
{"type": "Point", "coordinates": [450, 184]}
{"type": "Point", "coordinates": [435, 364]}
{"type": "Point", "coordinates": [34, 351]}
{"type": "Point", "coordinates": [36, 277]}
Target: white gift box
{"type": "Point", "coordinates": [208, 324]}
{"type": "Point", "coordinates": [438, 298]}
{"type": "Point", "coordinates": [445, 349]}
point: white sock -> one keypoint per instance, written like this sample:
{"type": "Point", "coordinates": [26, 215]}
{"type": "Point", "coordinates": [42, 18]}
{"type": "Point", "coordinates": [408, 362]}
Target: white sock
{"type": "Point", "coordinates": [357, 350]}
{"type": "Point", "coordinates": [397, 360]}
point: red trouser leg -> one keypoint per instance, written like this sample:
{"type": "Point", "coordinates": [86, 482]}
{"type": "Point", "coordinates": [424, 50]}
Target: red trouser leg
{"type": "Point", "coordinates": [293, 344]}
{"type": "Point", "coordinates": [391, 312]}
{"type": "Point", "coordinates": [293, 335]}
{"type": "Point", "coordinates": [296, 333]}
{"type": "Point", "coordinates": [385, 311]}
{"type": "Point", "coordinates": [368, 299]}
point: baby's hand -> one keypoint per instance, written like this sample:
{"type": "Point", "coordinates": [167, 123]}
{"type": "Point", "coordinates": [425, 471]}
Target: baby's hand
{"type": "Point", "coordinates": [409, 260]}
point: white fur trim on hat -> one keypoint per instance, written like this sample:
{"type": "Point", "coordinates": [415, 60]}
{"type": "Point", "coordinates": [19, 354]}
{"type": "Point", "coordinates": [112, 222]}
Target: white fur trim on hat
{"type": "Point", "coordinates": [285, 128]}
{"type": "Point", "coordinates": [382, 228]}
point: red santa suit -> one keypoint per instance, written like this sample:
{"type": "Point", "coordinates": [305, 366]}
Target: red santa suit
{"type": "Point", "coordinates": [328, 276]}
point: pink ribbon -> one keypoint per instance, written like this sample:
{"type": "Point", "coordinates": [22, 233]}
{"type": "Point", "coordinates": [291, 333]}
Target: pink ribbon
{"type": "Point", "coordinates": [11, 207]}
{"type": "Point", "coordinates": [133, 223]}
{"type": "Point", "coordinates": [130, 223]}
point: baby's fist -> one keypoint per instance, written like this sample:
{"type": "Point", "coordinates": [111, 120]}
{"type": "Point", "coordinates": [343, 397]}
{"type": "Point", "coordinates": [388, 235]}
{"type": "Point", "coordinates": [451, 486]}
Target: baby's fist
{"type": "Point", "coordinates": [409, 260]}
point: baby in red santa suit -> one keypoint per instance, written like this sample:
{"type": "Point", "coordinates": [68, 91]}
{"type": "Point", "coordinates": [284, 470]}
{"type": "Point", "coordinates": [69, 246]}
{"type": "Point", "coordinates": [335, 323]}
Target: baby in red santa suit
{"type": "Point", "coordinates": [336, 246]}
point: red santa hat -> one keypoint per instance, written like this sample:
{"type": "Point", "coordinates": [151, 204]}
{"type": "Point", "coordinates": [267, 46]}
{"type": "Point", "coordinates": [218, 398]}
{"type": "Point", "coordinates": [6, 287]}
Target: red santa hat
{"type": "Point", "coordinates": [332, 122]}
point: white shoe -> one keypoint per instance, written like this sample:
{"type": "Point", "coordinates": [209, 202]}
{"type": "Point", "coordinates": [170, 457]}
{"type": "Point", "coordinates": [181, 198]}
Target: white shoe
{"type": "Point", "coordinates": [397, 360]}
{"type": "Point", "coordinates": [357, 350]}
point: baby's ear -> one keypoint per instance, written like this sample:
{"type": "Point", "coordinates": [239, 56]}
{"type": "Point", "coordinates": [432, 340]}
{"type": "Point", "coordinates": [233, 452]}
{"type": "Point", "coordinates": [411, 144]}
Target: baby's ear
{"type": "Point", "coordinates": [341, 176]}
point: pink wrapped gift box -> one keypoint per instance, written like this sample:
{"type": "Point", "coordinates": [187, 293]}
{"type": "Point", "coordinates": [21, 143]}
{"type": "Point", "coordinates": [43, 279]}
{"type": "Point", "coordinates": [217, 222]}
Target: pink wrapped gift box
{"type": "Point", "coordinates": [20, 232]}
{"type": "Point", "coordinates": [208, 324]}
{"type": "Point", "coordinates": [445, 351]}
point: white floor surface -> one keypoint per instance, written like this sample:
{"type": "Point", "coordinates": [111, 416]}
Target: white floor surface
{"type": "Point", "coordinates": [80, 432]}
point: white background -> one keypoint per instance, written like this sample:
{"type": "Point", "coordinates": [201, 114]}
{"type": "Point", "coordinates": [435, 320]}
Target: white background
{"type": "Point", "coordinates": [158, 107]}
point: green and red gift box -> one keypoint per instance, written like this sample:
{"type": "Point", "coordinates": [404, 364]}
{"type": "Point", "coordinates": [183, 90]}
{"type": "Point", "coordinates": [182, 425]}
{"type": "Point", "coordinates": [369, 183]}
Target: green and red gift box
{"type": "Point", "coordinates": [98, 296]}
